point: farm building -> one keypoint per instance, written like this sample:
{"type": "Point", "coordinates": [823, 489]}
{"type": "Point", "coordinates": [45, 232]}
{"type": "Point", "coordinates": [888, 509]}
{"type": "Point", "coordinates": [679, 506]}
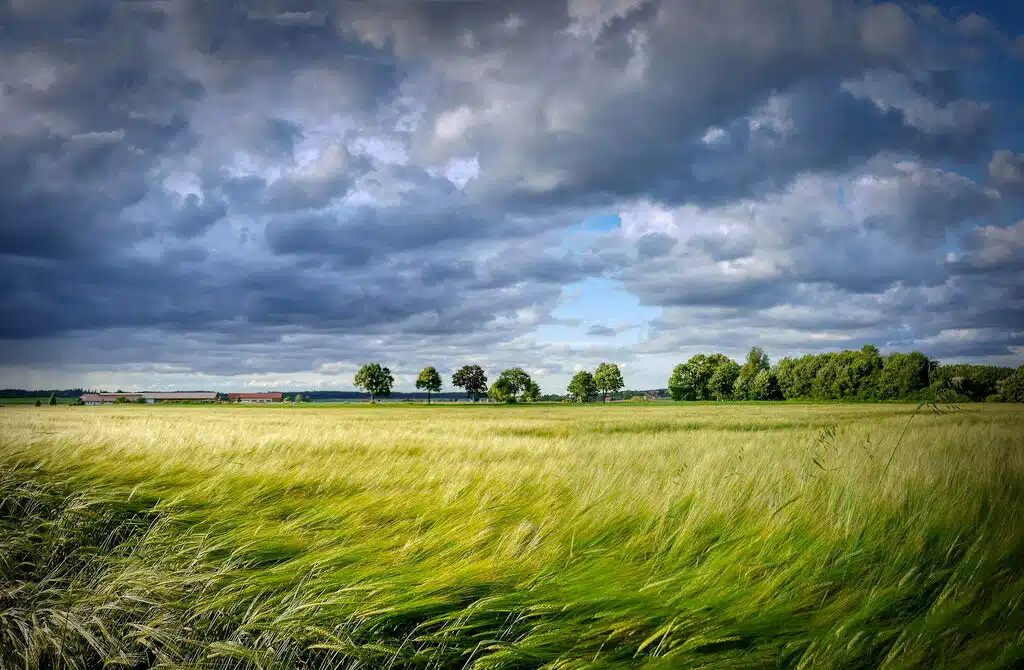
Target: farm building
{"type": "Point", "coordinates": [149, 397]}
{"type": "Point", "coordinates": [108, 398]}
{"type": "Point", "coordinates": [256, 397]}
{"type": "Point", "coordinates": [181, 396]}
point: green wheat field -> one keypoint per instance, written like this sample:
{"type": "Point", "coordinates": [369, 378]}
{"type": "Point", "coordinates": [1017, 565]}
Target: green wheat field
{"type": "Point", "coordinates": [710, 536]}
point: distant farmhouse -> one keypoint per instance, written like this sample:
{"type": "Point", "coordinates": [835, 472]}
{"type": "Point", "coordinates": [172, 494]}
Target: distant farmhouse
{"type": "Point", "coordinates": [256, 397]}
{"type": "Point", "coordinates": [151, 398]}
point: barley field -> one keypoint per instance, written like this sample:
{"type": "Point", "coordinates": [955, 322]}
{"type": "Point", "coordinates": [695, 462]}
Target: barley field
{"type": "Point", "coordinates": [711, 536]}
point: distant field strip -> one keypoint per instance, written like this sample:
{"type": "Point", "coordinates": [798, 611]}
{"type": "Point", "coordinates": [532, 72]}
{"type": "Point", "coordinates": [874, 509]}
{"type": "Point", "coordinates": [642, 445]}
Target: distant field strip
{"type": "Point", "coordinates": [716, 536]}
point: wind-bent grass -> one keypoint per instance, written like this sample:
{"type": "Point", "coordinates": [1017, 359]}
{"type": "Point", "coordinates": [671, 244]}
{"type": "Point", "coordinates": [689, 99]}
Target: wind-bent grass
{"type": "Point", "coordinates": [711, 536]}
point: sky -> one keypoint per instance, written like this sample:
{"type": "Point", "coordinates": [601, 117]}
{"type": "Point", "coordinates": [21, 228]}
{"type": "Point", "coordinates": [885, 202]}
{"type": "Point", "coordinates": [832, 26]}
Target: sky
{"type": "Point", "coordinates": [257, 194]}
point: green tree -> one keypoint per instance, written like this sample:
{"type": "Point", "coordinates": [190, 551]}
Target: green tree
{"type": "Point", "coordinates": [685, 384]}
{"type": "Point", "coordinates": [765, 387]}
{"type": "Point", "coordinates": [375, 380]}
{"type": "Point", "coordinates": [976, 382]}
{"type": "Point", "coordinates": [472, 380]}
{"type": "Point", "coordinates": [724, 372]}
{"type": "Point", "coordinates": [796, 377]}
{"type": "Point", "coordinates": [757, 361]}
{"type": "Point", "coordinates": [608, 378]}
{"type": "Point", "coordinates": [298, 397]}
{"type": "Point", "coordinates": [513, 385]}
{"type": "Point", "coordinates": [784, 372]}
{"type": "Point", "coordinates": [1012, 387]}
{"type": "Point", "coordinates": [53, 399]}
{"type": "Point", "coordinates": [704, 377]}
{"type": "Point", "coordinates": [429, 381]}
{"type": "Point", "coordinates": [502, 390]}
{"type": "Point", "coordinates": [39, 403]}
{"type": "Point", "coordinates": [867, 375]}
{"type": "Point", "coordinates": [140, 401]}
{"type": "Point", "coordinates": [827, 383]}
{"type": "Point", "coordinates": [583, 387]}
{"type": "Point", "coordinates": [868, 367]}
{"type": "Point", "coordinates": [903, 375]}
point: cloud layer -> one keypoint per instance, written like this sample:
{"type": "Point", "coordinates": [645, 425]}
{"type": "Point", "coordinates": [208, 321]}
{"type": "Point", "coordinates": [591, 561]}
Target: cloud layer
{"type": "Point", "coordinates": [218, 194]}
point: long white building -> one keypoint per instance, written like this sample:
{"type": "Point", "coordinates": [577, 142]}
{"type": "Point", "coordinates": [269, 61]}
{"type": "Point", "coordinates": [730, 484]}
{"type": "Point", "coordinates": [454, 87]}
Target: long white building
{"type": "Point", "coordinates": [149, 397]}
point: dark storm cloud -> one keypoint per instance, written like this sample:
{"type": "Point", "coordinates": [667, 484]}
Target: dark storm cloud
{"type": "Point", "coordinates": [652, 245]}
{"type": "Point", "coordinates": [698, 65]}
{"type": "Point", "coordinates": [88, 112]}
{"type": "Point", "coordinates": [825, 130]}
{"type": "Point", "coordinates": [277, 137]}
{"type": "Point", "coordinates": [225, 177]}
{"type": "Point", "coordinates": [367, 232]}
{"type": "Point", "coordinates": [50, 298]}
{"type": "Point", "coordinates": [63, 197]}
{"type": "Point", "coordinates": [991, 344]}
{"type": "Point", "coordinates": [195, 217]}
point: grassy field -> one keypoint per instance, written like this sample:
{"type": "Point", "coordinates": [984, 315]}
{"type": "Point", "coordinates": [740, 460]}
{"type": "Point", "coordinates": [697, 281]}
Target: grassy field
{"type": "Point", "coordinates": [714, 536]}
{"type": "Point", "coordinates": [26, 400]}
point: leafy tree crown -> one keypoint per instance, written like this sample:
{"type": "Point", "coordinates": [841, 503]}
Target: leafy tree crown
{"type": "Point", "coordinates": [375, 380]}
{"type": "Point", "coordinates": [472, 379]}
{"type": "Point", "coordinates": [608, 378]}
{"type": "Point", "coordinates": [514, 385]}
{"type": "Point", "coordinates": [429, 380]}
{"type": "Point", "coordinates": [582, 387]}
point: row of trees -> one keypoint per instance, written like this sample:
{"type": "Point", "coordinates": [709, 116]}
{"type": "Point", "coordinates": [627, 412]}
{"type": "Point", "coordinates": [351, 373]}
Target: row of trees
{"type": "Point", "coordinates": [845, 375]}
{"type": "Point", "coordinates": [585, 387]}
{"type": "Point", "coordinates": [512, 385]}
{"type": "Point", "coordinates": [718, 377]}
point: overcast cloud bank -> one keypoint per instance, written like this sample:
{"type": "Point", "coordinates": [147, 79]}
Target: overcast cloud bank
{"type": "Point", "coordinates": [219, 195]}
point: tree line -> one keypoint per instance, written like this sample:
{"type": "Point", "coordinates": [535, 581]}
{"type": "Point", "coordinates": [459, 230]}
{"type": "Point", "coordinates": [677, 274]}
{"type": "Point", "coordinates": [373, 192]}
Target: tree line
{"type": "Point", "coordinates": [512, 385]}
{"type": "Point", "coordinates": [864, 375]}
